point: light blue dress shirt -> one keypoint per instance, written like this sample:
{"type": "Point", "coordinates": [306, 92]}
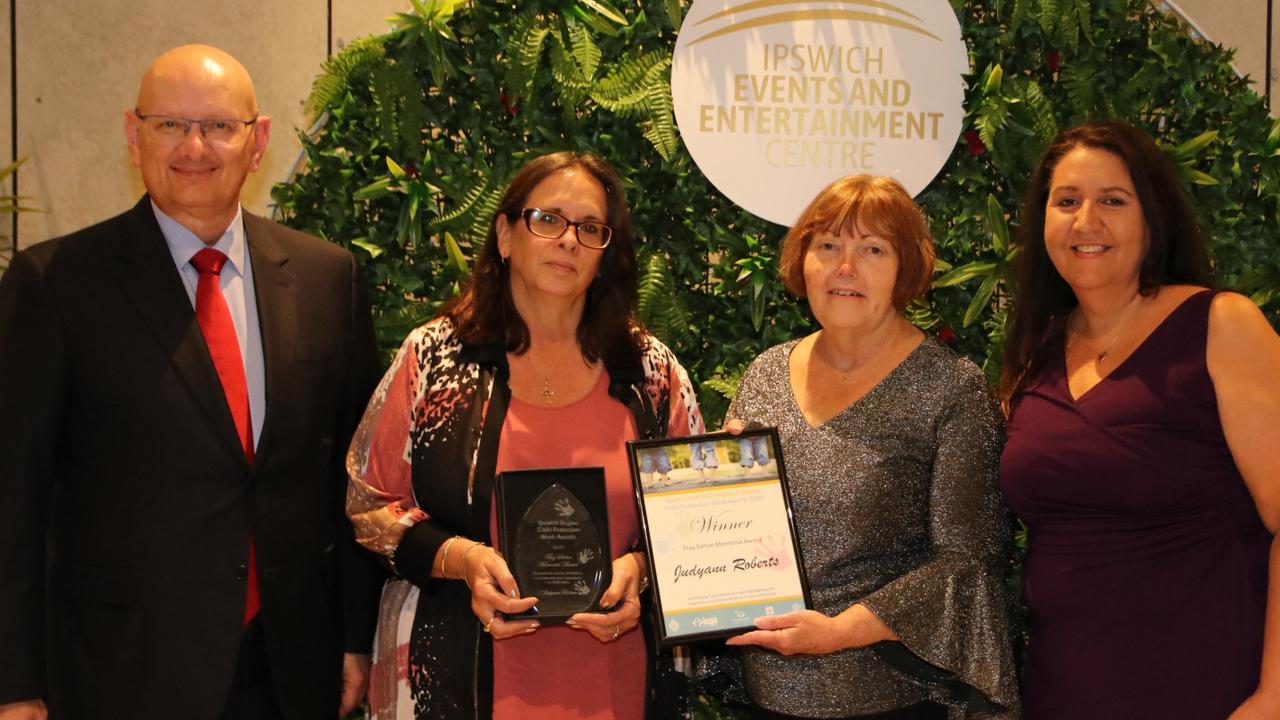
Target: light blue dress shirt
{"type": "Point", "coordinates": [237, 288]}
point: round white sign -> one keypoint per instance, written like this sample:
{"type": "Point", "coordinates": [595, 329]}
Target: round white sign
{"type": "Point", "coordinates": [777, 98]}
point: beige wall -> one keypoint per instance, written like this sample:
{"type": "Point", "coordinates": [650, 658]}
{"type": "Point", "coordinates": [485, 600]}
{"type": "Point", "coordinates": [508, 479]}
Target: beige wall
{"type": "Point", "coordinates": [357, 18]}
{"type": "Point", "coordinates": [71, 93]}
{"type": "Point", "coordinates": [1239, 24]}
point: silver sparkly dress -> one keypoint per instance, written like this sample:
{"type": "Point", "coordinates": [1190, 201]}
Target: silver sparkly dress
{"type": "Point", "coordinates": [897, 507]}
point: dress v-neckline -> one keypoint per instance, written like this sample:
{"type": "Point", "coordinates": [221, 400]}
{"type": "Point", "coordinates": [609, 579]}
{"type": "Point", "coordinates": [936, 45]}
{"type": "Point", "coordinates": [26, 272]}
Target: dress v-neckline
{"type": "Point", "coordinates": [1142, 346]}
{"type": "Point", "coordinates": [795, 402]}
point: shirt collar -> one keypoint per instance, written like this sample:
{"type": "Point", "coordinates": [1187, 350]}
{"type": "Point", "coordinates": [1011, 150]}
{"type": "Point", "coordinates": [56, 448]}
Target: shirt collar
{"type": "Point", "coordinates": [183, 244]}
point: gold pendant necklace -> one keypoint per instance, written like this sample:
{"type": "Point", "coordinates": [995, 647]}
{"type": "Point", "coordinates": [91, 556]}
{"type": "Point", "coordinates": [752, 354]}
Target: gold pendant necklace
{"type": "Point", "coordinates": [1100, 357]}
{"type": "Point", "coordinates": [548, 395]}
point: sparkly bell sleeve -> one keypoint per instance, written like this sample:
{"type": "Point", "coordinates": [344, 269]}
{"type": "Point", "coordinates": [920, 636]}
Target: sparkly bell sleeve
{"type": "Point", "coordinates": [380, 499]}
{"type": "Point", "coordinates": [951, 612]}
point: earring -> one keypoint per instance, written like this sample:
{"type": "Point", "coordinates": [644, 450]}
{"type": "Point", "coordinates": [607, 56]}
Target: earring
{"type": "Point", "coordinates": [503, 260]}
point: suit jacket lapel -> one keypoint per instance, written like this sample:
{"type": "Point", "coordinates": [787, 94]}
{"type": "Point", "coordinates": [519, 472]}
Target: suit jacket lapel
{"type": "Point", "coordinates": [273, 284]}
{"type": "Point", "coordinates": [149, 278]}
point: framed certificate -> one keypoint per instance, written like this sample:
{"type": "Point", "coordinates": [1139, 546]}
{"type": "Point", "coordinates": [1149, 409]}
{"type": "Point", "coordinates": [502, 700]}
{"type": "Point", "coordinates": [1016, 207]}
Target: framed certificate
{"type": "Point", "coordinates": [716, 518]}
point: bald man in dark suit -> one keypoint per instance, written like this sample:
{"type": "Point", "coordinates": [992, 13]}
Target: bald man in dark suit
{"type": "Point", "coordinates": [178, 386]}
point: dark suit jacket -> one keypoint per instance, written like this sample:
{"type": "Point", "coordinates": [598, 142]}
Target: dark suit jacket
{"type": "Point", "coordinates": [126, 503]}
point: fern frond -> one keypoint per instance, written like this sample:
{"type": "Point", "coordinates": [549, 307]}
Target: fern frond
{"type": "Point", "coordinates": [652, 286]}
{"type": "Point", "coordinates": [469, 203]}
{"type": "Point", "coordinates": [525, 52]}
{"type": "Point", "coordinates": [1041, 110]}
{"type": "Point", "coordinates": [1048, 16]}
{"type": "Point", "coordinates": [658, 305]}
{"type": "Point", "coordinates": [565, 69]}
{"type": "Point", "coordinates": [397, 98]}
{"type": "Point", "coordinates": [726, 385]}
{"type": "Point", "coordinates": [1068, 30]}
{"type": "Point", "coordinates": [1022, 11]}
{"type": "Point", "coordinates": [624, 90]}
{"type": "Point", "coordinates": [661, 128]}
{"type": "Point", "coordinates": [991, 118]}
{"type": "Point", "coordinates": [584, 50]}
{"type": "Point", "coordinates": [482, 212]}
{"type": "Point", "coordinates": [1081, 87]}
{"type": "Point", "coordinates": [338, 73]}
{"type": "Point", "coordinates": [1084, 17]}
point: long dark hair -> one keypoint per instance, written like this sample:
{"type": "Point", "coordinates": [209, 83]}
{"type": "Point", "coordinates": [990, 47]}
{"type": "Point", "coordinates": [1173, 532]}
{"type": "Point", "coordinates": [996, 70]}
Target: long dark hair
{"type": "Point", "coordinates": [609, 331]}
{"type": "Point", "coordinates": [1042, 299]}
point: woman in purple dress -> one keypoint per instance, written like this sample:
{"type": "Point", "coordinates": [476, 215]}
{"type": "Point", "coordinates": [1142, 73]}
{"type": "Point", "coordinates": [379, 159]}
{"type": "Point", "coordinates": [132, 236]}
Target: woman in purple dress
{"type": "Point", "coordinates": [1143, 449]}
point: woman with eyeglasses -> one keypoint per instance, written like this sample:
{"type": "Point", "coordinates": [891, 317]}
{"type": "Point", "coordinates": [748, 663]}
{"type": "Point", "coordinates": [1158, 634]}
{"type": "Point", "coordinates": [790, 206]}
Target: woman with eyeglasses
{"type": "Point", "coordinates": [538, 363]}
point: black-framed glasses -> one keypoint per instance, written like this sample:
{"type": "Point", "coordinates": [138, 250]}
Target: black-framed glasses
{"type": "Point", "coordinates": [171, 129]}
{"type": "Point", "coordinates": [545, 223]}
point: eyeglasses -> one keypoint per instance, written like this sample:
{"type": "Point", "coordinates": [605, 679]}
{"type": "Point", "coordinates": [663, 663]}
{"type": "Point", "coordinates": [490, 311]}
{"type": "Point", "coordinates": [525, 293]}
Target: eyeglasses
{"type": "Point", "coordinates": [548, 224]}
{"type": "Point", "coordinates": [170, 129]}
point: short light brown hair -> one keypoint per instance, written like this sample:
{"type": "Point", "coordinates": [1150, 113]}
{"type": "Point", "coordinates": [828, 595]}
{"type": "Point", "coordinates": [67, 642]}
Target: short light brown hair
{"type": "Point", "coordinates": [870, 205]}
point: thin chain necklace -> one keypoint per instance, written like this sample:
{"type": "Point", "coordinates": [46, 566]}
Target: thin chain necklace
{"type": "Point", "coordinates": [1105, 353]}
{"type": "Point", "coordinates": [548, 395]}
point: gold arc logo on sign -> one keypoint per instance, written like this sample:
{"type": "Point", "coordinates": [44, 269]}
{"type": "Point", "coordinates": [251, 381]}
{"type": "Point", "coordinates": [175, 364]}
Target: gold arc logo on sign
{"type": "Point", "coordinates": [757, 4]}
{"type": "Point", "coordinates": [786, 17]}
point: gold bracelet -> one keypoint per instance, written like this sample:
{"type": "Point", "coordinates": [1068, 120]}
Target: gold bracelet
{"type": "Point", "coordinates": [444, 557]}
{"type": "Point", "coordinates": [473, 546]}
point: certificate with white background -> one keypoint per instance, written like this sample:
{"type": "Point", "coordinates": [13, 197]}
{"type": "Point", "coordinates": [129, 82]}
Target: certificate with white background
{"type": "Point", "coordinates": [717, 524]}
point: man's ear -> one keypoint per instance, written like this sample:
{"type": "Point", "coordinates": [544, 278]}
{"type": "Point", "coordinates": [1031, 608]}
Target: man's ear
{"type": "Point", "coordinates": [132, 126]}
{"type": "Point", "coordinates": [261, 134]}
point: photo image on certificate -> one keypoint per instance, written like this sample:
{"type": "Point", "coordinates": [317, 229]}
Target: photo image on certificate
{"type": "Point", "coordinates": [716, 518]}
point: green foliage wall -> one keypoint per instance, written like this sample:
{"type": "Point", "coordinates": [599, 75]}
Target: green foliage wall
{"type": "Point", "coordinates": [424, 126]}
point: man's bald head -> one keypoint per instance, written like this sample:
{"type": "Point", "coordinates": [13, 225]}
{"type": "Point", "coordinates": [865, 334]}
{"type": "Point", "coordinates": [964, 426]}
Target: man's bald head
{"type": "Point", "coordinates": [201, 70]}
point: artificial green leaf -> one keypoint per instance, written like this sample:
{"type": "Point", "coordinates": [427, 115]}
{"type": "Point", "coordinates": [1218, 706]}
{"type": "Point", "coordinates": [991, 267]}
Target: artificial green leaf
{"type": "Point", "coordinates": [964, 274]}
{"type": "Point", "coordinates": [456, 257]}
{"type": "Point", "coordinates": [373, 250]}
{"type": "Point", "coordinates": [605, 9]}
{"type": "Point", "coordinates": [997, 225]}
{"type": "Point", "coordinates": [1194, 145]}
{"type": "Point", "coordinates": [374, 189]}
{"type": "Point", "coordinates": [981, 299]}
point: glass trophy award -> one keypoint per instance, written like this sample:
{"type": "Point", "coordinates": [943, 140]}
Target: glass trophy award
{"type": "Point", "coordinates": [553, 530]}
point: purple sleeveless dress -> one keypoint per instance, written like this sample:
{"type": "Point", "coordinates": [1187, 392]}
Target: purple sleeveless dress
{"type": "Point", "coordinates": [1146, 571]}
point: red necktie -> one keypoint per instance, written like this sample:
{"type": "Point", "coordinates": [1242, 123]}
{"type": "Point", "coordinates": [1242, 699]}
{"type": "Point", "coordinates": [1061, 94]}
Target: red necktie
{"type": "Point", "coordinates": [220, 336]}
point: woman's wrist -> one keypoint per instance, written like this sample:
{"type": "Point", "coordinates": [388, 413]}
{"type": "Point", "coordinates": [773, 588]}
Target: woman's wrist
{"type": "Point", "coordinates": [642, 570]}
{"type": "Point", "coordinates": [859, 627]}
{"type": "Point", "coordinates": [445, 549]}
{"type": "Point", "coordinates": [466, 576]}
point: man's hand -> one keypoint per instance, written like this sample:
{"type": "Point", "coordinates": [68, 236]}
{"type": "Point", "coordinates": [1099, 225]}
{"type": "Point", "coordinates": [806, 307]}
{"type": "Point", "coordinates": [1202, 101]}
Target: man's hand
{"type": "Point", "coordinates": [355, 683]}
{"type": "Point", "coordinates": [25, 710]}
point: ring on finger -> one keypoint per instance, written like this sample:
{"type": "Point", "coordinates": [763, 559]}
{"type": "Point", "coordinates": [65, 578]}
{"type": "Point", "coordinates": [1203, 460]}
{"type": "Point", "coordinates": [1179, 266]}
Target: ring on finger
{"type": "Point", "coordinates": [489, 624]}
{"type": "Point", "coordinates": [617, 630]}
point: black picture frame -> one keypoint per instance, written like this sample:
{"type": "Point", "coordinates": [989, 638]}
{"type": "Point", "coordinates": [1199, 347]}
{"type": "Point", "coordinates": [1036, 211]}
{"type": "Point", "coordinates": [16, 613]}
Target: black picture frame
{"type": "Point", "coordinates": [749, 549]}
